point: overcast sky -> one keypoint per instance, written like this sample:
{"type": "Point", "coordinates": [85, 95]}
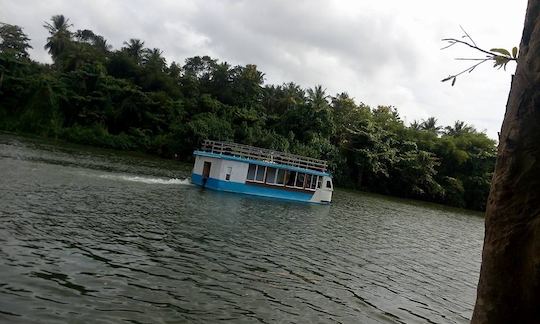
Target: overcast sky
{"type": "Point", "coordinates": [383, 52]}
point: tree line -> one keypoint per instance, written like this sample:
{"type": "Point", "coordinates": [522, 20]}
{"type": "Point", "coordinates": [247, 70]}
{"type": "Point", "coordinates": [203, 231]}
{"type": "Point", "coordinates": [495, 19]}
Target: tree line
{"type": "Point", "coordinates": [132, 99]}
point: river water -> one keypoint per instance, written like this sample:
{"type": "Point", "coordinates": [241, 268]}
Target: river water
{"type": "Point", "coordinates": [95, 236]}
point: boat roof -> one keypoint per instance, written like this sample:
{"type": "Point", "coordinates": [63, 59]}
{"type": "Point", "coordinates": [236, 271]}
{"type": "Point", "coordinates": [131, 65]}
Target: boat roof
{"type": "Point", "coordinates": [261, 156]}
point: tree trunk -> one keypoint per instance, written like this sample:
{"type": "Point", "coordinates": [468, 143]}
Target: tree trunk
{"type": "Point", "coordinates": [509, 285]}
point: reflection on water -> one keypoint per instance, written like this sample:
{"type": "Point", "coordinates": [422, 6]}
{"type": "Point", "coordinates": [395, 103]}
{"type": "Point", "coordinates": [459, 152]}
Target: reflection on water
{"type": "Point", "coordinates": [101, 237]}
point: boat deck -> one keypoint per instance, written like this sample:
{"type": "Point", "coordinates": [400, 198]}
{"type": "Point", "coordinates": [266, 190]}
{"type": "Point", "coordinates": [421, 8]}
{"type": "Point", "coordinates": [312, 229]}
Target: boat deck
{"type": "Point", "coordinates": [266, 155]}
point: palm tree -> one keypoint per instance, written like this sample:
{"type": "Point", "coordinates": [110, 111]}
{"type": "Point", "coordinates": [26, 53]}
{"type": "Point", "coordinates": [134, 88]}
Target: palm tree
{"type": "Point", "coordinates": [152, 58]}
{"type": "Point", "coordinates": [339, 99]}
{"type": "Point", "coordinates": [100, 43]}
{"type": "Point", "coordinates": [60, 36]}
{"type": "Point", "coordinates": [88, 36]}
{"type": "Point", "coordinates": [459, 128]}
{"type": "Point", "coordinates": [254, 76]}
{"type": "Point", "coordinates": [84, 35]}
{"type": "Point", "coordinates": [317, 97]}
{"type": "Point", "coordinates": [135, 49]}
{"type": "Point", "coordinates": [430, 125]}
{"type": "Point", "coordinates": [293, 95]}
{"type": "Point", "coordinates": [416, 125]}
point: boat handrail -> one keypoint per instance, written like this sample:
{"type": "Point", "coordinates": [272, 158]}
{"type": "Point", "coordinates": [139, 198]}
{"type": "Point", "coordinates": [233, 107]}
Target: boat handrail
{"type": "Point", "coordinates": [262, 154]}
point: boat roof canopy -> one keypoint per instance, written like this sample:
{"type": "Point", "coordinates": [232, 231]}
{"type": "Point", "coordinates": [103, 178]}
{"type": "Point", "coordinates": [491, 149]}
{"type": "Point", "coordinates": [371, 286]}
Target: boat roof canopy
{"type": "Point", "coordinates": [259, 155]}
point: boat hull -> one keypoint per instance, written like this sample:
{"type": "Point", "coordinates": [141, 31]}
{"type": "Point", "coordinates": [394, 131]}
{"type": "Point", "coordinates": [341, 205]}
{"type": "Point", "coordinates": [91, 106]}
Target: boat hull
{"type": "Point", "coordinates": [255, 190]}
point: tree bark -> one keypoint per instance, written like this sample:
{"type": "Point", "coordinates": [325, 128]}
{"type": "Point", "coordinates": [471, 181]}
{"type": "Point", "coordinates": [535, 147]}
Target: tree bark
{"type": "Point", "coordinates": [509, 285]}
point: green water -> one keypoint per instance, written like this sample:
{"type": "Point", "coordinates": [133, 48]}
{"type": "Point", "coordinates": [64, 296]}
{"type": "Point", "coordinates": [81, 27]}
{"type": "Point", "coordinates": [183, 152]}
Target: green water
{"type": "Point", "coordinates": [103, 237]}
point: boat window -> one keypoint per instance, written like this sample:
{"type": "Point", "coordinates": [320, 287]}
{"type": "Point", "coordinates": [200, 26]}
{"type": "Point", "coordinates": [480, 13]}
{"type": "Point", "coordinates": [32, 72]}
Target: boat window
{"type": "Point", "coordinates": [307, 183]}
{"type": "Point", "coordinates": [300, 180]}
{"type": "Point", "coordinates": [251, 172]}
{"type": "Point", "coordinates": [319, 182]}
{"type": "Point", "coordinates": [328, 184]}
{"type": "Point", "coordinates": [280, 179]}
{"type": "Point", "coordinates": [271, 175]}
{"type": "Point", "coordinates": [228, 174]}
{"type": "Point", "coordinates": [314, 182]}
{"type": "Point", "coordinates": [259, 176]}
{"type": "Point", "coordinates": [291, 178]}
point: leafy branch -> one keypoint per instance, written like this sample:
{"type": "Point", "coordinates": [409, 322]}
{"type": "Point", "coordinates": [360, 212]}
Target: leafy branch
{"type": "Point", "coordinates": [500, 56]}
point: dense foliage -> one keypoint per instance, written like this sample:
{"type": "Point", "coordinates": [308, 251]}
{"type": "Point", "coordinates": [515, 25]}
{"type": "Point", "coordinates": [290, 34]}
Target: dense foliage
{"type": "Point", "coordinates": [132, 99]}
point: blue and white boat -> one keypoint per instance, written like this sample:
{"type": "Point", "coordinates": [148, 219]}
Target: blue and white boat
{"type": "Point", "coordinates": [256, 171]}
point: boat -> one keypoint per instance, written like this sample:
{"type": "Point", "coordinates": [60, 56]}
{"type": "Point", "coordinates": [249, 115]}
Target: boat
{"type": "Point", "coordinates": [245, 169]}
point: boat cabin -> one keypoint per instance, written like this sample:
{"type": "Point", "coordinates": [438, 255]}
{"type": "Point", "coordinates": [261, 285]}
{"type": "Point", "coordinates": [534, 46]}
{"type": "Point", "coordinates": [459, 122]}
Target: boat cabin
{"type": "Point", "coordinates": [256, 171]}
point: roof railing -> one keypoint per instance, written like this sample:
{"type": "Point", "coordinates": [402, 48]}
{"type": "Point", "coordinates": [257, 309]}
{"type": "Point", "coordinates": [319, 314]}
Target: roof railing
{"type": "Point", "coordinates": [266, 155]}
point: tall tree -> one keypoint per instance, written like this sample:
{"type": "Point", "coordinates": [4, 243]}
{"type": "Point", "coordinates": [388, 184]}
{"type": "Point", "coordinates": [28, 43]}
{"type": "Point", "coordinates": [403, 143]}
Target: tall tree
{"type": "Point", "coordinates": [459, 128]}
{"type": "Point", "coordinates": [135, 48]}
{"type": "Point", "coordinates": [88, 36]}
{"type": "Point", "coordinates": [199, 67]}
{"type": "Point", "coordinates": [294, 95]}
{"type": "Point", "coordinates": [509, 285]}
{"type": "Point", "coordinates": [416, 125]}
{"type": "Point", "coordinates": [246, 84]}
{"type": "Point", "coordinates": [13, 41]}
{"type": "Point", "coordinates": [13, 49]}
{"type": "Point", "coordinates": [430, 125]}
{"type": "Point", "coordinates": [154, 60]}
{"type": "Point", "coordinates": [343, 108]}
{"type": "Point", "coordinates": [317, 97]}
{"type": "Point", "coordinates": [60, 36]}
{"type": "Point", "coordinates": [100, 43]}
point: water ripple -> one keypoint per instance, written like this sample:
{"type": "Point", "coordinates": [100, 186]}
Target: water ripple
{"type": "Point", "coordinates": [86, 239]}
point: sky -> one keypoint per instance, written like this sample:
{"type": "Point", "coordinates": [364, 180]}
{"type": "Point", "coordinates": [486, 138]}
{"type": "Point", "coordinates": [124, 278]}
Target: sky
{"type": "Point", "coordinates": [384, 52]}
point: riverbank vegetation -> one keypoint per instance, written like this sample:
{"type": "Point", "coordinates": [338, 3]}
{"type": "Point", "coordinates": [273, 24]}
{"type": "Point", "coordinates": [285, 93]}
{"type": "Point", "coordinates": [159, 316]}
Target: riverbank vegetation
{"type": "Point", "coordinates": [131, 98]}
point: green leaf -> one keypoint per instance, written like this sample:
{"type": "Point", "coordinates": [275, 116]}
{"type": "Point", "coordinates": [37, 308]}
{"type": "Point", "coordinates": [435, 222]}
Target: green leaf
{"type": "Point", "coordinates": [501, 61]}
{"type": "Point", "coordinates": [514, 52]}
{"type": "Point", "coordinates": [500, 50]}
